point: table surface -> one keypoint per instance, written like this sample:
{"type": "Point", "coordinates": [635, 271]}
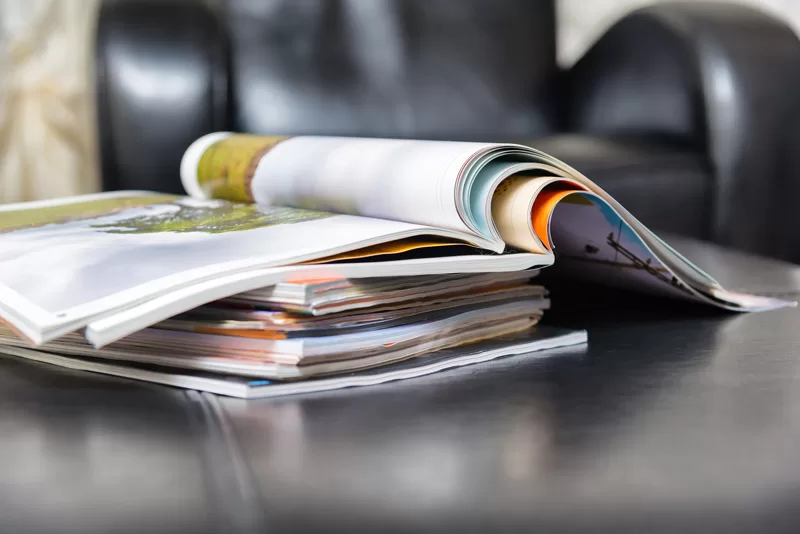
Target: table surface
{"type": "Point", "coordinates": [673, 419]}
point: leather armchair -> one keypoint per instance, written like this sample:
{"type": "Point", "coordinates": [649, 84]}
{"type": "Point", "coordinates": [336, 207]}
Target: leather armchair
{"type": "Point", "coordinates": [678, 110]}
{"type": "Point", "coordinates": [717, 78]}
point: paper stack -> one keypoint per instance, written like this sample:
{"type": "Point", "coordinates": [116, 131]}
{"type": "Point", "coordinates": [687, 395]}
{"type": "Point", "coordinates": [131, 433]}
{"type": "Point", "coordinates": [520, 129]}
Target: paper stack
{"type": "Point", "coordinates": [312, 328]}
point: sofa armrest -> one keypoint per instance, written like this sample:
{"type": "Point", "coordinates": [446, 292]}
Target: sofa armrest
{"type": "Point", "coordinates": [161, 82]}
{"type": "Point", "coordinates": [718, 77]}
{"type": "Point", "coordinates": [786, 233]}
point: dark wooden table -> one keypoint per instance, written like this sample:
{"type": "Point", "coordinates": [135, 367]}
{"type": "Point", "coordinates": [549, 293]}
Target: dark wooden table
{"type": "Point", "coordinates": [674, 419]}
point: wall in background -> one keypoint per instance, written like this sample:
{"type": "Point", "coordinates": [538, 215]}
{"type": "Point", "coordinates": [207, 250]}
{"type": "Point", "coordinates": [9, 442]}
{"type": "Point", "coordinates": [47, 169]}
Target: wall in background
{"type": "Point", "coordinates": [581, 22]}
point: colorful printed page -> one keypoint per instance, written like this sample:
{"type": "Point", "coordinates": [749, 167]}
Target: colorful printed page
{"type": "Point", "coordinates": [593, 242]}
{"type": "Point", "coordinates": [65, 261]}
{"type": "Point", "coordinates": [401, 180]}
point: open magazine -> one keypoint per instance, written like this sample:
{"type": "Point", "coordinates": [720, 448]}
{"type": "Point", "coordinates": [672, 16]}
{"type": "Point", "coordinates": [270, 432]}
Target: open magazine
{"type": "Point", "coordinates": [265, 211]}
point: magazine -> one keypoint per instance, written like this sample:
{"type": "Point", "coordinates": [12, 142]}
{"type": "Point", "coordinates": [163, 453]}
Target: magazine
{"type": "Point", "coordinates": [544, 341]}
{"type": "Point", "coordinates": [285, 359]}
{"type": "Point", "coordinates": [507, 196]}
{"type": "Point", "coordinates": [261, 211]}
{"type": "Point", "coordinates": [304, 330]}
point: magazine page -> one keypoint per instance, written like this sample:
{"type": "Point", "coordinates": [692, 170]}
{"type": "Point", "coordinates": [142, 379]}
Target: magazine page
{"type": "Point", "coordinates": [63, 262]}
{"type": "Point", "coordinates": [585, 220]}
{"type": "Point", "coordinates": [591, 240]}
{"type": "Point", "coordinates": [685, 269]}
{"type": "Point", "coordinates": [397, 179]}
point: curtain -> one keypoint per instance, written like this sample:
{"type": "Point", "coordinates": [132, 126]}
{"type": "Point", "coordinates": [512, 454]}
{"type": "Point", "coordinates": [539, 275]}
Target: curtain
{"type": "Point", "coordinates": [47, 134]}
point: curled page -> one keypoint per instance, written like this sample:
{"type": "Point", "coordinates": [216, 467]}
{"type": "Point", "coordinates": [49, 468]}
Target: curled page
{"type": "Point", "coordinates": [591, 240]}
{"type": "Point", "coordinates": [403, 180]}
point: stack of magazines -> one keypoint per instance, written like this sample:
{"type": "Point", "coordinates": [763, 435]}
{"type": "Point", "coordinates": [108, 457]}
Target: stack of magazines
{"type": "Point", "coordinates": [307, 263]}
{"type": "Point", "coordinates": [263, 342]}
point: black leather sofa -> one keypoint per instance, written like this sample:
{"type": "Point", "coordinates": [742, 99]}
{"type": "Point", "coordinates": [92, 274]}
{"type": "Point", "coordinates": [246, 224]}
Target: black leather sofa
{"type": "Point", "coordinates": [680, 110]}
